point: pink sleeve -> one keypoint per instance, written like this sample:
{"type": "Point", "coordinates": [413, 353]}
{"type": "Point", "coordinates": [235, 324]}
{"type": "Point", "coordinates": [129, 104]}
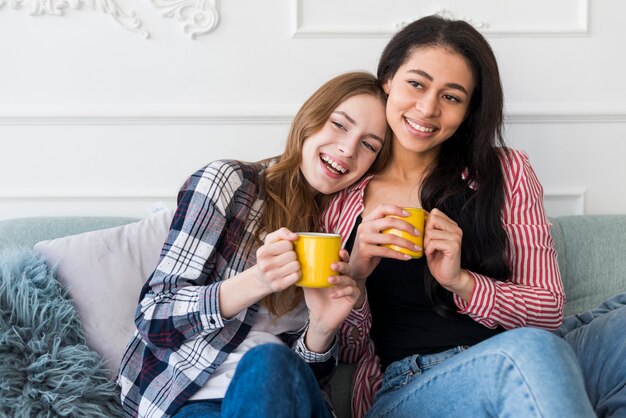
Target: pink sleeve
{"type": "Point", "coordinates": [534, 295]}
{"type": "Point", "coordinates": [354, 334]}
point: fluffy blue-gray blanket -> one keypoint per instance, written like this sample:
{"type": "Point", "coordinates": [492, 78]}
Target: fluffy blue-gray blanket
{"type": "Point", "coordinates": [46, 370]}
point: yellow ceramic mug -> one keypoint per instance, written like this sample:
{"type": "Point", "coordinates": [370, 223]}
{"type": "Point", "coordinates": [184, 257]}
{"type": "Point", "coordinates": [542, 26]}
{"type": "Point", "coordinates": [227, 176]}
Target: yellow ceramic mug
{"type": "Point", "coordinates": [316, 252]}
{"type": "Point", "coordinates": [416, 218]}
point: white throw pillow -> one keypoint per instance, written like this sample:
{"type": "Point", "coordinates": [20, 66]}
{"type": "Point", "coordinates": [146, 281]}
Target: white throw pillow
{"type": "Point", "coordinates": [104, 271]}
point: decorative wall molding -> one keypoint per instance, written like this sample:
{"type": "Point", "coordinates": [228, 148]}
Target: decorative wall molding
{"type": "Point", "coordinates": [126, 19]}
{"type": "Point", "coordinates": [577, 26]}
{"type": "Point", "coordinates": [199, 17]}
{"type": "Point", "coordinates": [449, 14]}
{"type": "Point", "coordinates": [559, 202]}
{"type": "Point", "coordinates": [65, 195]}
{"type": "Point", "coordinates": [270, 115]}
{"type": "Point", "coordinates": [533, 113]}
{"type": "Point", "coordinates": [47, 204]}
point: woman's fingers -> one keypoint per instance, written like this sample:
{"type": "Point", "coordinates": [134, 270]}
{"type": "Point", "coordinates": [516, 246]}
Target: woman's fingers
{"type": "Point", "coordinates": [279, 235]}
{"type": "Point", "coordinates": [438, 220]}
{"type": "Point", "coordinates": [439, 226]}
{"type": "Point", "coordinates": [446, 246]}
{"type": "Point", "coordinates": [372, 231]}
{"type": "Point", "coordinates": [276, 249]}
{"type": "Point", "coordinates": [372, 245]}
{"type": "Point", "coordinates": [277, 261]}
{"type": "Point", "coordinates": [386, 252]}
{"type": "Point", "coordinates": [381, 211]}
{"type": "Point", "coordinates": [343, 286]}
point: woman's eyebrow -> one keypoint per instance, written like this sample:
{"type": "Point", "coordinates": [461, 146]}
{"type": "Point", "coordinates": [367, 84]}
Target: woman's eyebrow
{"type": "Point", "coordinates": [345, 115]}
{"type": "Point", "coordinates": [375, 137]}
{"type": "Point", "coordinates": [352, 121]}
{"type": "Point", "coordinates": [429, 77]}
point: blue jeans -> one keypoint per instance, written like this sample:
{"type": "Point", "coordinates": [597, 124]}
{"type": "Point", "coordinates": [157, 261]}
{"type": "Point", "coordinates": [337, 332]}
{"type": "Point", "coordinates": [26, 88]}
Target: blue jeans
{"type": "Point", "coordinates": [270, 381]}
{"type": "Point", "coordinates": [525, 372]}
{"type": "Point", "coordinates": [598, 338]}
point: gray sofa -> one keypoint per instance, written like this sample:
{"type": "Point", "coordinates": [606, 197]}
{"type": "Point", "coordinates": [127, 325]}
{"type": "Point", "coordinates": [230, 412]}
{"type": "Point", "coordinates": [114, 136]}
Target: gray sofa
{"type": "Point", "coordinates": [592, 259]}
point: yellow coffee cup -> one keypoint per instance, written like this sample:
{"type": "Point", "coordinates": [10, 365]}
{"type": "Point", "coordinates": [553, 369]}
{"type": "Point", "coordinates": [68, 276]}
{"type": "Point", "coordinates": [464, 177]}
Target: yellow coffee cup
{"type": "Point", "coordinates": [416, 219]}
{"type": "Point", "coordinates": [316, 252]}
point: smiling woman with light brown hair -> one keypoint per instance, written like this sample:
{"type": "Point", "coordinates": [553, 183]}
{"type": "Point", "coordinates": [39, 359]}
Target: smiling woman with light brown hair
{"type": "Point", "coordinates": [221, 329]}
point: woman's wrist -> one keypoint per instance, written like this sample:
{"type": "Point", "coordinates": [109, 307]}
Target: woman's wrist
{"type": "Point", "coordinates": [465, 286]}
{"type": "Point", "coordinates": [318, 339]}
{"type": "Point", "coordinates": [240, 292]}
{"type": "Point", "coordinates": [358, 304]}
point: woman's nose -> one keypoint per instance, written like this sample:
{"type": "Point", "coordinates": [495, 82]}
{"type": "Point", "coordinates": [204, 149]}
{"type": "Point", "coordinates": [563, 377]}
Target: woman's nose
{"type": "Point", "coordinates": [428, 105]}
{"type": "Point", "coordinates": [347, 147]}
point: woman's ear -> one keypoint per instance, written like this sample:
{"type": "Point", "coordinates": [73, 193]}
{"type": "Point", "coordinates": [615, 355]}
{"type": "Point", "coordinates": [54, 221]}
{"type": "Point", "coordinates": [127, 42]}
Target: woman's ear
{"type": "Point", "coordinates": [387, 86]}
{"type": "Point", "coordinates": [467, 113]}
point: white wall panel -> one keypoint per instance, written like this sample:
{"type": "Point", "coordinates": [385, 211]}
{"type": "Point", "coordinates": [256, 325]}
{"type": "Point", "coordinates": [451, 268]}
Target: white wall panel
{"type": "Point", "coordinates": [362, 18]}
{"type": "Point", "coordinates": [96, 118]}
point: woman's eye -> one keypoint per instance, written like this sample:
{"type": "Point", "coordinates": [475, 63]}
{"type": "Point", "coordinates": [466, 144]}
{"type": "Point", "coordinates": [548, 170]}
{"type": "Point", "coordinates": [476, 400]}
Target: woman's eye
{"type": "Point", "coordinates": [368, 146]}
{"type": "Point", "coordinates": [415, 84]}
{"type": "Point", "coordinates": [451, 98]}
{"type": "Point", "coordinates": [338, 125]}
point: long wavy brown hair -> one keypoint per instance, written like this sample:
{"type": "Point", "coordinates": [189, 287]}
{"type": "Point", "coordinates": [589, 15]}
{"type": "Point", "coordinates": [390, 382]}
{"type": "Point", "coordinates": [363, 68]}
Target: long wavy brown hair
{"type": "Point", "coordinates": [472, 150]}
{"type": "Point", "coordinates": [289, 201]}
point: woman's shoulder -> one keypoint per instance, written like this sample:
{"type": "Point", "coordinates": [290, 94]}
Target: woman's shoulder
{"type": "Point", "coordinates": [514, 161]}
{"type": "Point", "coordinates": [517, 170]}
{"type": "Point", "coordinates": [224, 176]}
{"type": "Point", "coordinates": [228, 170]}
{"type": "Point", "coordinates": [228, 165]}
{"type": "Point", "coordinates": [512, 156]}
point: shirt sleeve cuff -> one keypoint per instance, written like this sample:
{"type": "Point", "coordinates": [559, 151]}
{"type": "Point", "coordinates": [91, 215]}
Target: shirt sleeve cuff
{"type": "Point", "coordinates": [358, 315]}
{"type": "Point", "coordinates": [313, 357]}
{"type": "Point", "coordinates": [483, 299]}
{"type": "Point", "coordinates": [210, 314]}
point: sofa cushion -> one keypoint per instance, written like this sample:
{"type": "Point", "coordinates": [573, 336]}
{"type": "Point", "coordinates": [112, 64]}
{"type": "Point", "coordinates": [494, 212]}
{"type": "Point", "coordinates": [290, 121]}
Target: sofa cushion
{"type": "Point", "coordinates": [46, 369]}
{"type": "Point", "coordinates": [592, 258]}
{"type": "Point", "coordinates": [104, 271]}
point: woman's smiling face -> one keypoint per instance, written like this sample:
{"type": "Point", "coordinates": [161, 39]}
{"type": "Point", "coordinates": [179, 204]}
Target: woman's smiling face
{"type": "Point", "coordinates": [429, 98]}
{"type": "Point", "coordinates": [346, 146]}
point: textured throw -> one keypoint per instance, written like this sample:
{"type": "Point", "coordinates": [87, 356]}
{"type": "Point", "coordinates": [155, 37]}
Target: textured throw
{"type": "Point", "coordinates": [46, 370]}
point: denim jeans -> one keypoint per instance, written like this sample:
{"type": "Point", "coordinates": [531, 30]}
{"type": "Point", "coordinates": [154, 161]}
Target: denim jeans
{"type": "Point", "coordinates": [270, 381]}
{"type": "Point", "coordinates": [598, 338]}
{"type": "Point", "coordinates": [525, 372]}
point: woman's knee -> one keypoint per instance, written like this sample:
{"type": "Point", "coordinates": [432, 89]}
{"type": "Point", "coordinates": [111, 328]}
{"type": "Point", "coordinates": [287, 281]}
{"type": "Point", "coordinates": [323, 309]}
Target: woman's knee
{"type": "Point", "coordinates": [272, 350]}
{"type": "Point", "coordinates": [533, 346]}
{"type": "Point", "coordinates": [272, 357]}
{"type": "Point", "coordinates": [543, 362]}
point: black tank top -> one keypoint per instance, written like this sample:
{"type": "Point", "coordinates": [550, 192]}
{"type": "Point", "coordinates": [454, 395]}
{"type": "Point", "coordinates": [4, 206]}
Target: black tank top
{"type": "Point", "coordinates": [403, 321]}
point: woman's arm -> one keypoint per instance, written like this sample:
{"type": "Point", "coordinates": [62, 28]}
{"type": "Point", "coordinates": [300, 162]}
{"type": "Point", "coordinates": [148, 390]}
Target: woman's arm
{"type": "Point", "coordinates": [534, 295]}
{"type": "Point", "coordinates": [187, 294]}
{"type": "Point", "coordinates": [328, 307]}
{"type": "Point", "coordinates": [340, 217]}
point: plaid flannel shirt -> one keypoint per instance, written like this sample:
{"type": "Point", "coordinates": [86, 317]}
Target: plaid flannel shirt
{"type": "Point", "coordinates": [181, 338]}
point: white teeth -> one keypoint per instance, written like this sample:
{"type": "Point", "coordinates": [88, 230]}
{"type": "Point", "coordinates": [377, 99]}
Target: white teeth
{"type": "Point", "coordinates": [419, 127]}
{"type": "Point", "coordinates": [334, 164]}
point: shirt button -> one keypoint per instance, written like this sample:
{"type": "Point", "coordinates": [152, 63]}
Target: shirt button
{"type": "Point", "coordinates": [212, 321]}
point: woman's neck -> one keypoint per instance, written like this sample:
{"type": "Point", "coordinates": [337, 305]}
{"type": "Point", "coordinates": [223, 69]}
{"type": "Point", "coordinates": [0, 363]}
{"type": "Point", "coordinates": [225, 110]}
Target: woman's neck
{"type": "Point", "coordinates": [400, 182]}
{"type": "Point", "coordinates": [407, 166]}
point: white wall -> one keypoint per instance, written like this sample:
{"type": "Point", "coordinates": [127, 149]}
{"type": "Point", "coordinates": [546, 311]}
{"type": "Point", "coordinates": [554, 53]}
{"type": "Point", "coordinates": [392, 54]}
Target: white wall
{"type": "Point", "coordinates": [96, 119]}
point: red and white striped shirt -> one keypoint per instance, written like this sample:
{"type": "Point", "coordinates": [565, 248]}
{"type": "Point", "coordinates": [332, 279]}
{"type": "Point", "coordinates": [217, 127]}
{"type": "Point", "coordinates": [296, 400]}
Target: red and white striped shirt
{"type": "Point", "coordinates": [533, 296]}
